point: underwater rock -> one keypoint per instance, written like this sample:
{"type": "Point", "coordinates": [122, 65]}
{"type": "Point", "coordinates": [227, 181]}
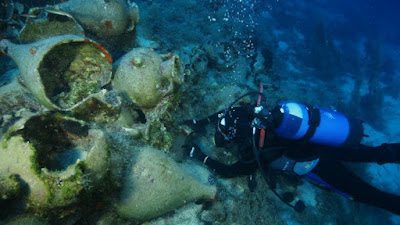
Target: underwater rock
{"type": "Point", "coordinates": [213, 99]}
{"type": "Point", "coordinates": [58, 159]}
{"type": "Point", "coordinates": [10, 19]}
{"type": "Point", "coordinates": [26, 219]}
{"type": "Point", "coordinates": [155, 184]}
{"type": "Point", "coordinates": [258, 65]}
{"type": "Point", "coordinates": [198, 62]}
{"type": "Point", "coordinates": [146, 77]}
{"type": "Point", "coordinates": [45, 23]}
{"type": "Point", "coordinates": [223, 55]}
{"type": "Point", "coordinates": [8, 77]}
{"type": "Point", "coordinates": [15, 102]}
{"type": "Point", "coordinates": [6, 11]}
{"type": "Point", "coordinates": [103, 18]}
{"type": "Point", "coordinates": [147, 43]}
{"type": "Point", "coordinates": [63, 72]}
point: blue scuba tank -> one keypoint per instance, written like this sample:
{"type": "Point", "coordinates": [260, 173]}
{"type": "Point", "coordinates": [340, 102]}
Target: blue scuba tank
{"type": "Point", "coordinates": [297, 121]}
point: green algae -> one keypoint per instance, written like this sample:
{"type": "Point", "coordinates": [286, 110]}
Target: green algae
{"type": "Point", "coordinates": [77, 75]}
{"type": "Point", "coordinates": [30, 153]}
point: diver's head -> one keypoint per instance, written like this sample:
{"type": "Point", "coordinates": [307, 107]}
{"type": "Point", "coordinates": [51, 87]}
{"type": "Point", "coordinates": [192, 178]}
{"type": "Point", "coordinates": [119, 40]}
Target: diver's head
{"type": "Point", "coordinates": [233, 126]}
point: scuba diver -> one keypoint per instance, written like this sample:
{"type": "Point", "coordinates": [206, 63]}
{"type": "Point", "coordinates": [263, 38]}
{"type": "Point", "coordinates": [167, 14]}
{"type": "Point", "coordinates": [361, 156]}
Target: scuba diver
{"type": "Point", "coordinates": [301, 140]}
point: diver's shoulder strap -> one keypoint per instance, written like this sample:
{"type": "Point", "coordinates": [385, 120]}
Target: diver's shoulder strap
{"type": "Point", "coordinates": [314, 121]}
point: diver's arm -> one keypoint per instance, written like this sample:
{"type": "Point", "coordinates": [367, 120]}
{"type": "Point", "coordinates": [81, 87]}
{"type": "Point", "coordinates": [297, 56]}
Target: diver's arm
{"type": "Point", "coordinates": [236, 169]}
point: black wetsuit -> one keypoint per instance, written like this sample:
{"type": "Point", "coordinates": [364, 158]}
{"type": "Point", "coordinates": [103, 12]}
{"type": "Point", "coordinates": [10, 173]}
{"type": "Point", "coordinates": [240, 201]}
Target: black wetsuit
{"type": "Point", "coordinates": [330, 167]}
